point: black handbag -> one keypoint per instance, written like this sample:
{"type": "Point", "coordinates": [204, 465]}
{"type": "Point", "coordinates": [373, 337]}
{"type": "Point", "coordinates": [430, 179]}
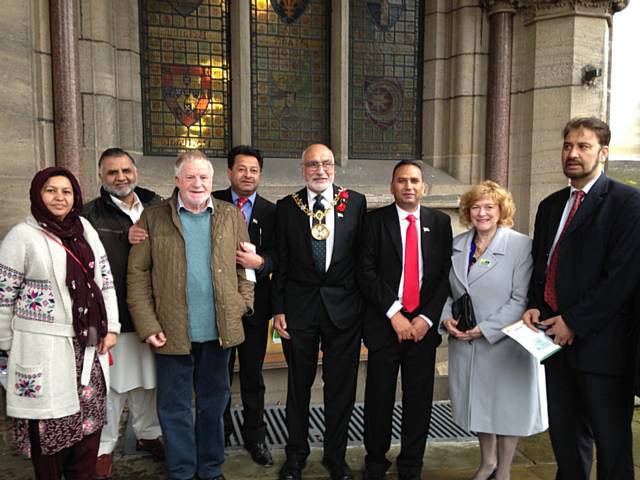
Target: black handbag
{"type": "Point", "coordinates": [462, 310]}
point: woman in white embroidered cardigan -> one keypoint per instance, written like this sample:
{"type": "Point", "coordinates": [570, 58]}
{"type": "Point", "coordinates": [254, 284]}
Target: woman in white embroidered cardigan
{"type": "Point", "coordinates": [58, 320]}
{"type": "Point", "coordinates": [497, 388]}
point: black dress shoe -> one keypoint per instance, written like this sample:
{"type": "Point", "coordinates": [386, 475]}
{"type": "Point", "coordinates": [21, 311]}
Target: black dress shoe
{"type": "Point", "coordinates": [291, 471]}
{"type": "Point", "coordinates": [343, 472]}
{"type": "Point", "coordinates": [371, 476]}
{"type": "Point", "coordinates": [260, 453]}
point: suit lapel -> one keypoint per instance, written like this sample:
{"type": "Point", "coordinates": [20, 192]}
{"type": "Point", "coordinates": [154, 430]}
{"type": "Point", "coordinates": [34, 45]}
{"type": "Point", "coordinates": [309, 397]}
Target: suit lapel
{"type": "Point", "coordinates": [589, 204]}
{"type": "Point", "coordinates": [303, 221]}
{"type": "Point", "coordinates": [460, 257]}
{"type": "Point", "coordinates": [491, 258]}
{"type": "Point", "coordinates": [425, 231]}
{"type": "Point", "coordinates": [339, 236]}
{"type": "Point", "coordinates": [554, 218]}
{"type": "Point", "coordinates": [392, 224]}
{"type": "Point", "coordinates": [254, 221]}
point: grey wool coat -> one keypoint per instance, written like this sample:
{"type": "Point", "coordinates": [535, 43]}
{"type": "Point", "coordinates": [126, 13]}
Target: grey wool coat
{"type": "Point", "coordinates": [495, 385]}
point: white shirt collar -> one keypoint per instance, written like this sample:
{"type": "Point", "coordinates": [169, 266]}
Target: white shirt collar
{"type": "Point", "coordinates": [327, 195]}
{"type": "Point", "coordinates": [403, 214]}
{"type": "Point", "coordinates": [182, 205]}
{"type": "Point", "coordinates": [124, 206]}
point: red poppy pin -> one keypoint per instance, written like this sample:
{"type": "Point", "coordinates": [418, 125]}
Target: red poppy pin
{"type": "Point", "coordinates": [343, 196]}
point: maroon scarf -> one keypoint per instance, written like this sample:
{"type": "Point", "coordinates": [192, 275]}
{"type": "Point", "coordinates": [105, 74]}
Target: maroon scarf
{"type": "Point", "coordinates": [88, 311]}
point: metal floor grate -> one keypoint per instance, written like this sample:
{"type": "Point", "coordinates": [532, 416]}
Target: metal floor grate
{"type": "Point", "coordinates": [442, 428]}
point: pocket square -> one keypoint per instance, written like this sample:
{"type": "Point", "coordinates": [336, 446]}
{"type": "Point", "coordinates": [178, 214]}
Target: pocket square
{"type": "Point", "coordinates": [425, 229]}
{"type": "Point", "coordinates": [255, 221]}
{"type": "Point", "coordinates": [340, 215]}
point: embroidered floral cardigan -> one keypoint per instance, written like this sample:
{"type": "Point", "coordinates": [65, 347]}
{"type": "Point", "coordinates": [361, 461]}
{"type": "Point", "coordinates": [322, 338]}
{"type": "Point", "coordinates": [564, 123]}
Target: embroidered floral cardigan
{"type": "Point", "coordinates": [36, 324]}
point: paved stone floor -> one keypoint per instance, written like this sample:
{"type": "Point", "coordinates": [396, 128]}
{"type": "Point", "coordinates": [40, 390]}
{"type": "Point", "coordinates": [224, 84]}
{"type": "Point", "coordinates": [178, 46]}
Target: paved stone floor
{"type": "Point", "coordinates": [443, 461]}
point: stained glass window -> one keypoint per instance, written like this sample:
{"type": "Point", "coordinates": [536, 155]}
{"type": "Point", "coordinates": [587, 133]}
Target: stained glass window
{"type": "Point", "coordinates": [385, 82]}
{"type": "Point", "coordinates": [289, 74]}
{"type": "Point", "coordinates": [185, 76]}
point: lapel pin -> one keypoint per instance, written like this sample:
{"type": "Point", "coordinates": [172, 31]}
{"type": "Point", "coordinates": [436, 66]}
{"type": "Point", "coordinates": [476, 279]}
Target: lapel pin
{"type": "Point", "coordinates": [340, 215]}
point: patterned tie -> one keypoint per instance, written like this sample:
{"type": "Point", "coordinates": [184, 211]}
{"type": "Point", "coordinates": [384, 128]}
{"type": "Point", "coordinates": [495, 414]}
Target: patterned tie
{"type": "Point", "coordinates": [318, 247]}
{"type": "Point", "coordinates": [550, 282]}
{"type": "Point", "coordinates": [241, 203]}
{"type": "Point", "coordinates": [411, 288]}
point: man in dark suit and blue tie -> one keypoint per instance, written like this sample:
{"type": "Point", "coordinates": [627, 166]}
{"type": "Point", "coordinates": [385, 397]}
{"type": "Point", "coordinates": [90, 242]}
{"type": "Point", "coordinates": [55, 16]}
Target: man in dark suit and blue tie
{"type": "Point", "coordinates": [586, 253]}
{"type": "Point", "coordinates": [317, 304]}
{"type": "Point", "coordinates": [244, 168]}
{"type": "Point", "coordinates": [403, 273]}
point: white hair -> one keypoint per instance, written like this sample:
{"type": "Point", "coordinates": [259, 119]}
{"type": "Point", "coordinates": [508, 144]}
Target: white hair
{"type": "Point", "coordinates": [191, 156]}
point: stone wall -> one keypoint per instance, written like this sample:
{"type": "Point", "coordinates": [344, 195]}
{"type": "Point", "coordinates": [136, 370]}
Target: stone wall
{"type": "Point", "coordinates": [26, 123]}
{"type": "Point", "coordinates": [454, 93]}
{"type": "Point", "coordinates": [551, 45]}
{"type": "Point", "coordinates": [110, 81]}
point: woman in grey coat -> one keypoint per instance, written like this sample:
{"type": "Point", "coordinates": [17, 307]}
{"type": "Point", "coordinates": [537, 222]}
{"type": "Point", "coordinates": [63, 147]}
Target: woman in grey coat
{"type": "Point", "coordinates": [496, 387]}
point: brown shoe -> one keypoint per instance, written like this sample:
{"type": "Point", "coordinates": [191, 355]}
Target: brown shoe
{"type": "Point", "coordinates": [155, 447]}
{"type": "Point", "coordinates": [104, 467]}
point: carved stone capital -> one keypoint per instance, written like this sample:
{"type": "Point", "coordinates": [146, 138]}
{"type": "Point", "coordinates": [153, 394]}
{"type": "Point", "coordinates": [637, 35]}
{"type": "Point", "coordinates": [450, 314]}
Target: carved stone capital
{"type": "Point", "coordinates": [500, 6]}
{"type": "Point", "coordinates": [608, 6]}
{"type": "Point", "coordinates": [535, 10]}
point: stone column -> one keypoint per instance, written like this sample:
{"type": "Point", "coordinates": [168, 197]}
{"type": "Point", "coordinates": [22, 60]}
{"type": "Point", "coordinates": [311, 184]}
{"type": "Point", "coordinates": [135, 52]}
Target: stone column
{"type": "Point", "coordinates": [240, 18]}
{"type": "Point", "coordinates": [499, 90]}
{"type": "Point", "coordinates": [339, 106]}
{"type": "Point", "coordinates": [552, 43]}
{"type": "Point", "coordinates": [67, 107]}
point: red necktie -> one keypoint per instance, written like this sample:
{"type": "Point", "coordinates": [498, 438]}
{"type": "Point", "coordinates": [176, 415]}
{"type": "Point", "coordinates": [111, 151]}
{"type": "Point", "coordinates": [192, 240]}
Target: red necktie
{"type": "Point", "coordinates": [240, 202]}
{"type": "Point", "coordinates": [411, 288]}
{"type": "Point", "coordinates": [550, 283]}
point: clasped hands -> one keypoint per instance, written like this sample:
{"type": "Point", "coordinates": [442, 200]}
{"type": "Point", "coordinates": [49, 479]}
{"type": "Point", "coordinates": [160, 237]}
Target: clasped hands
{"type": "Point", "coordinates": [407, 329]}
{"type": "Point", "coordinates": [451, 325]}
{"type": "Point", "coordinates": [555, 326]}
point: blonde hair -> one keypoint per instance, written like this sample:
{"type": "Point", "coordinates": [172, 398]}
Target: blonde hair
{"type": "Point", "coordinates": [488, 189]}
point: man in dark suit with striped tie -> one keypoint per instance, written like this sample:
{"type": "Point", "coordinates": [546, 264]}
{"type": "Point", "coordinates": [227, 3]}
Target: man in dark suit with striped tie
{"type": "Point", "coordinates": [317, 303]}
{"type": "Point", "coordinates": [586, 253]}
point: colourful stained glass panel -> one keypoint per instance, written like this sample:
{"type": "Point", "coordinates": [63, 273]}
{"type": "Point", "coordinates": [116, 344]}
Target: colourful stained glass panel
{"type": "Point", "coordinates": [385, 82]}
{"type": "Point", "coordinates": [290, 74]}
{"type": "Point", "coordinates": [185, 76]}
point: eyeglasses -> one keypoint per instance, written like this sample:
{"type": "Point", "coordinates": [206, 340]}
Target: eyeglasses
{"type": "Point", "coordinates": [315, 165]}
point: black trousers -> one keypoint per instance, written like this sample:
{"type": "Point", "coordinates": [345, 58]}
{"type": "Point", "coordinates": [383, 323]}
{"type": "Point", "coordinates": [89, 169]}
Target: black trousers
{"type": "Point", "coordinates": [251, 358]}
{"type": "Point", "coordinates": [584, 407]}
{"type": "Point", "coordinates": [417, 361]}
{"type": "Point", "coordinates": [341, 355]}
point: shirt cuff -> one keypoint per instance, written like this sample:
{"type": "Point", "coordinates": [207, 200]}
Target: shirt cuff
{"type": "Point", "coordinates": [395, 308]}
{"type": "Point", "coordinates": [426, 319]}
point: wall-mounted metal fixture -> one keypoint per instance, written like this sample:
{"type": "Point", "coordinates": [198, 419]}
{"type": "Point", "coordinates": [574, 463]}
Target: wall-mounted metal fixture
{"type": "Point", "coordinates": [589, 75]}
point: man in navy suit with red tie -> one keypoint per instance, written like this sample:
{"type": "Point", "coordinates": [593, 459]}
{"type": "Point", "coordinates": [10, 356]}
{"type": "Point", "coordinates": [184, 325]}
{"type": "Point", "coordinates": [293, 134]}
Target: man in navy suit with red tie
{"type": "Point", "coordinates": [244, 168]}
{"type": "Point", "coordinates": [403, 273]}
{"type": "Point", "coordinates": [586, 253]}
